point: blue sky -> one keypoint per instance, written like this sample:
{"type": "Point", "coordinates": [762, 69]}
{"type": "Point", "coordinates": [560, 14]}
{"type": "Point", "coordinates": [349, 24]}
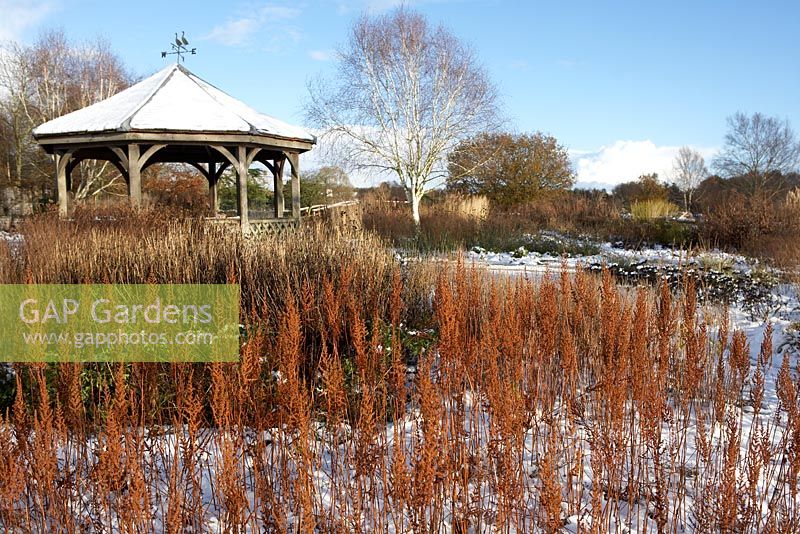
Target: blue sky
{"type": "Point", "coordinates": [622, 84]}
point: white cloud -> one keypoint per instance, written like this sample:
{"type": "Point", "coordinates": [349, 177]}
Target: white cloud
{"type": "Point", "coordinates": [321, 55]}
{"type": "Point", "coordinates": [234, 32]}
{"type": "Point", "coordinates": [19, 15]}
{"type": "Point", "coordinates": [239, 31]}
{"type": "Point", "coordinates": [625, 161]}
{"type": "Point", "coordinates": [367, 5]}
{"type": "Point", "coordinates": [275, 13]}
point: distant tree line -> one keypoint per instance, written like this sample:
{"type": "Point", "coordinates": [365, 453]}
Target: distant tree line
{"type": "Point", "coordinates": [760, 157]}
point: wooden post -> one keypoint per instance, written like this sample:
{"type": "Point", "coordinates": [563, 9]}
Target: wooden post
{"type": "Point", "coordinates": [241, 187]}
{"type": "Point", "coordinates": [213, 200]}
{"type": "Point", "coordinates": [134, 176]}
{"type": "Point", "coordinates": [277, 175]}
{"type": "Point", "coordinates": [294, 161]}
{"type": "Point", "coordinates": [63, 181]}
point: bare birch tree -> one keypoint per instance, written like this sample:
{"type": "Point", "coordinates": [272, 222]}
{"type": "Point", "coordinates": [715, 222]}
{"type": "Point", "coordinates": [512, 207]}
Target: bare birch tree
{"type": "Point", "coordinates": [688, 170]}
{"type": "Point", "coordinates": [758, 147]}
{"type": "Point", "coordinates": [43, 81]}
{"type": "Point", "coordinates": [403, 95]}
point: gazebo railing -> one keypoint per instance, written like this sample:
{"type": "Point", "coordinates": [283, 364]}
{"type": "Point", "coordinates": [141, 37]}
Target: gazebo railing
{"type": "Point", "coordinates": [267, 226]}
{"type": "Point", "coordinates": [258, 226]}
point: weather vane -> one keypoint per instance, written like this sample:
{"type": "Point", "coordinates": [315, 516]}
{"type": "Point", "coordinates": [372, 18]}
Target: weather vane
{"type": "Point", "coordinates": [179, 48]}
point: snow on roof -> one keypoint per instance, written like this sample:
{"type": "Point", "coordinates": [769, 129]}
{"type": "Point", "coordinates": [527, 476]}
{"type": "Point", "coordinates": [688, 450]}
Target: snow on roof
{"type": "Point", "coordinates": [172, 99]}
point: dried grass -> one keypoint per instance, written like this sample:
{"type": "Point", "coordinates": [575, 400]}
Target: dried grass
{"type": "Point", "coordinates": [372, 396]}
{"type": "Point", "coordinates": [645, 210]}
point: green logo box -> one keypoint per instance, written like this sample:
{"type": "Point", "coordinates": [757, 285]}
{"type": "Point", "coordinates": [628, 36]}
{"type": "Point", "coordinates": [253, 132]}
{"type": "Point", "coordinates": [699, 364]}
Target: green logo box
{"type": "Point", "coordinates": [119, 322]}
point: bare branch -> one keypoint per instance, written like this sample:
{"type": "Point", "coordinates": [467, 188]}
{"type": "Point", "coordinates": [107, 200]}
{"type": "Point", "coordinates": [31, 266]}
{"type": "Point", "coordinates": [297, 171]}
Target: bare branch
{"type": "Point", "coordinates": [759, 148]}
{"type": "Point", "coordinates": [403, 97]}
{"type": "Point", "coordinates": [45, 80]}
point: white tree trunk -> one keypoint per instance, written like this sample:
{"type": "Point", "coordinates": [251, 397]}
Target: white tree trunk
{"type": "Point", "coordinates": [414, 199]}
{"type": "Point", "coordinates": [405, 93]}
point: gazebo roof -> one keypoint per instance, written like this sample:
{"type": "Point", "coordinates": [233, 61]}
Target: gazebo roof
{"type": "Point", "coordinates": [172, 100]}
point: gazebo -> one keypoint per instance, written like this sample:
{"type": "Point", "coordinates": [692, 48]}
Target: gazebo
{"type": "Point", "coordinates": [176, 117]}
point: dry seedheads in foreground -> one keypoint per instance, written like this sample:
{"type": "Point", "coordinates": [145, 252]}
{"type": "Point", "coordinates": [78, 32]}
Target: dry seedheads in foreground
{"type": "Point", "coordinates": [375, 397]}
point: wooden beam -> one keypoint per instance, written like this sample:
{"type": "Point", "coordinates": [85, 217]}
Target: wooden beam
{"type": "Point", "coordinates": [134, 176]}
{"type": "Point", "coordinates": [203, 170]}
{"type": "Point", "coordinates": [222, 168]}
{"type": "Point", "coordinates": [122, 170]}
{"type": "Point", "coordinates": [277, 181]}
{"type": "Point", "coordinates": [149, 154]}
{"type": "Point", "coordinates": [123, 157]}
{"type": "Point", "coordinates": [227, 154]}
{"type": "Point", "coordinates": [241, 187]}
{"type": "Point", "coordinates": [213, 198]}
{"type": "Point", "coordinates": [64, 196]}
{"type": "Point", "coordinates": [268, 142]}
{"type": "Point", "coordinates": [212, 171]}
{"type": "Point", "coordinates": [251, 154]}
{"type": "Point", "coordinates": [265, 162]}
{"type": "Point", "coordinates": [71, 166]}
{"type": "Point", "coordinates": [294, 161]}
{"type": "Point", "coordinates": [73, 163]}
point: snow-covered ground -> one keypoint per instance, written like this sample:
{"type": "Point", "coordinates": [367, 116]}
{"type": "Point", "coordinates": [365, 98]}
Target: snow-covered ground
{"type": "Point", "coordinates": [608, 253]}
{"type": "Point", "coordinates": [275, 458]}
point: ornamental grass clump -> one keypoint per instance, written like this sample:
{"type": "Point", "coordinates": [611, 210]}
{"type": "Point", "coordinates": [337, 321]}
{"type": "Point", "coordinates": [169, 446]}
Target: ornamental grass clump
{"type": "Point", "coordinates": [375, 396]}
